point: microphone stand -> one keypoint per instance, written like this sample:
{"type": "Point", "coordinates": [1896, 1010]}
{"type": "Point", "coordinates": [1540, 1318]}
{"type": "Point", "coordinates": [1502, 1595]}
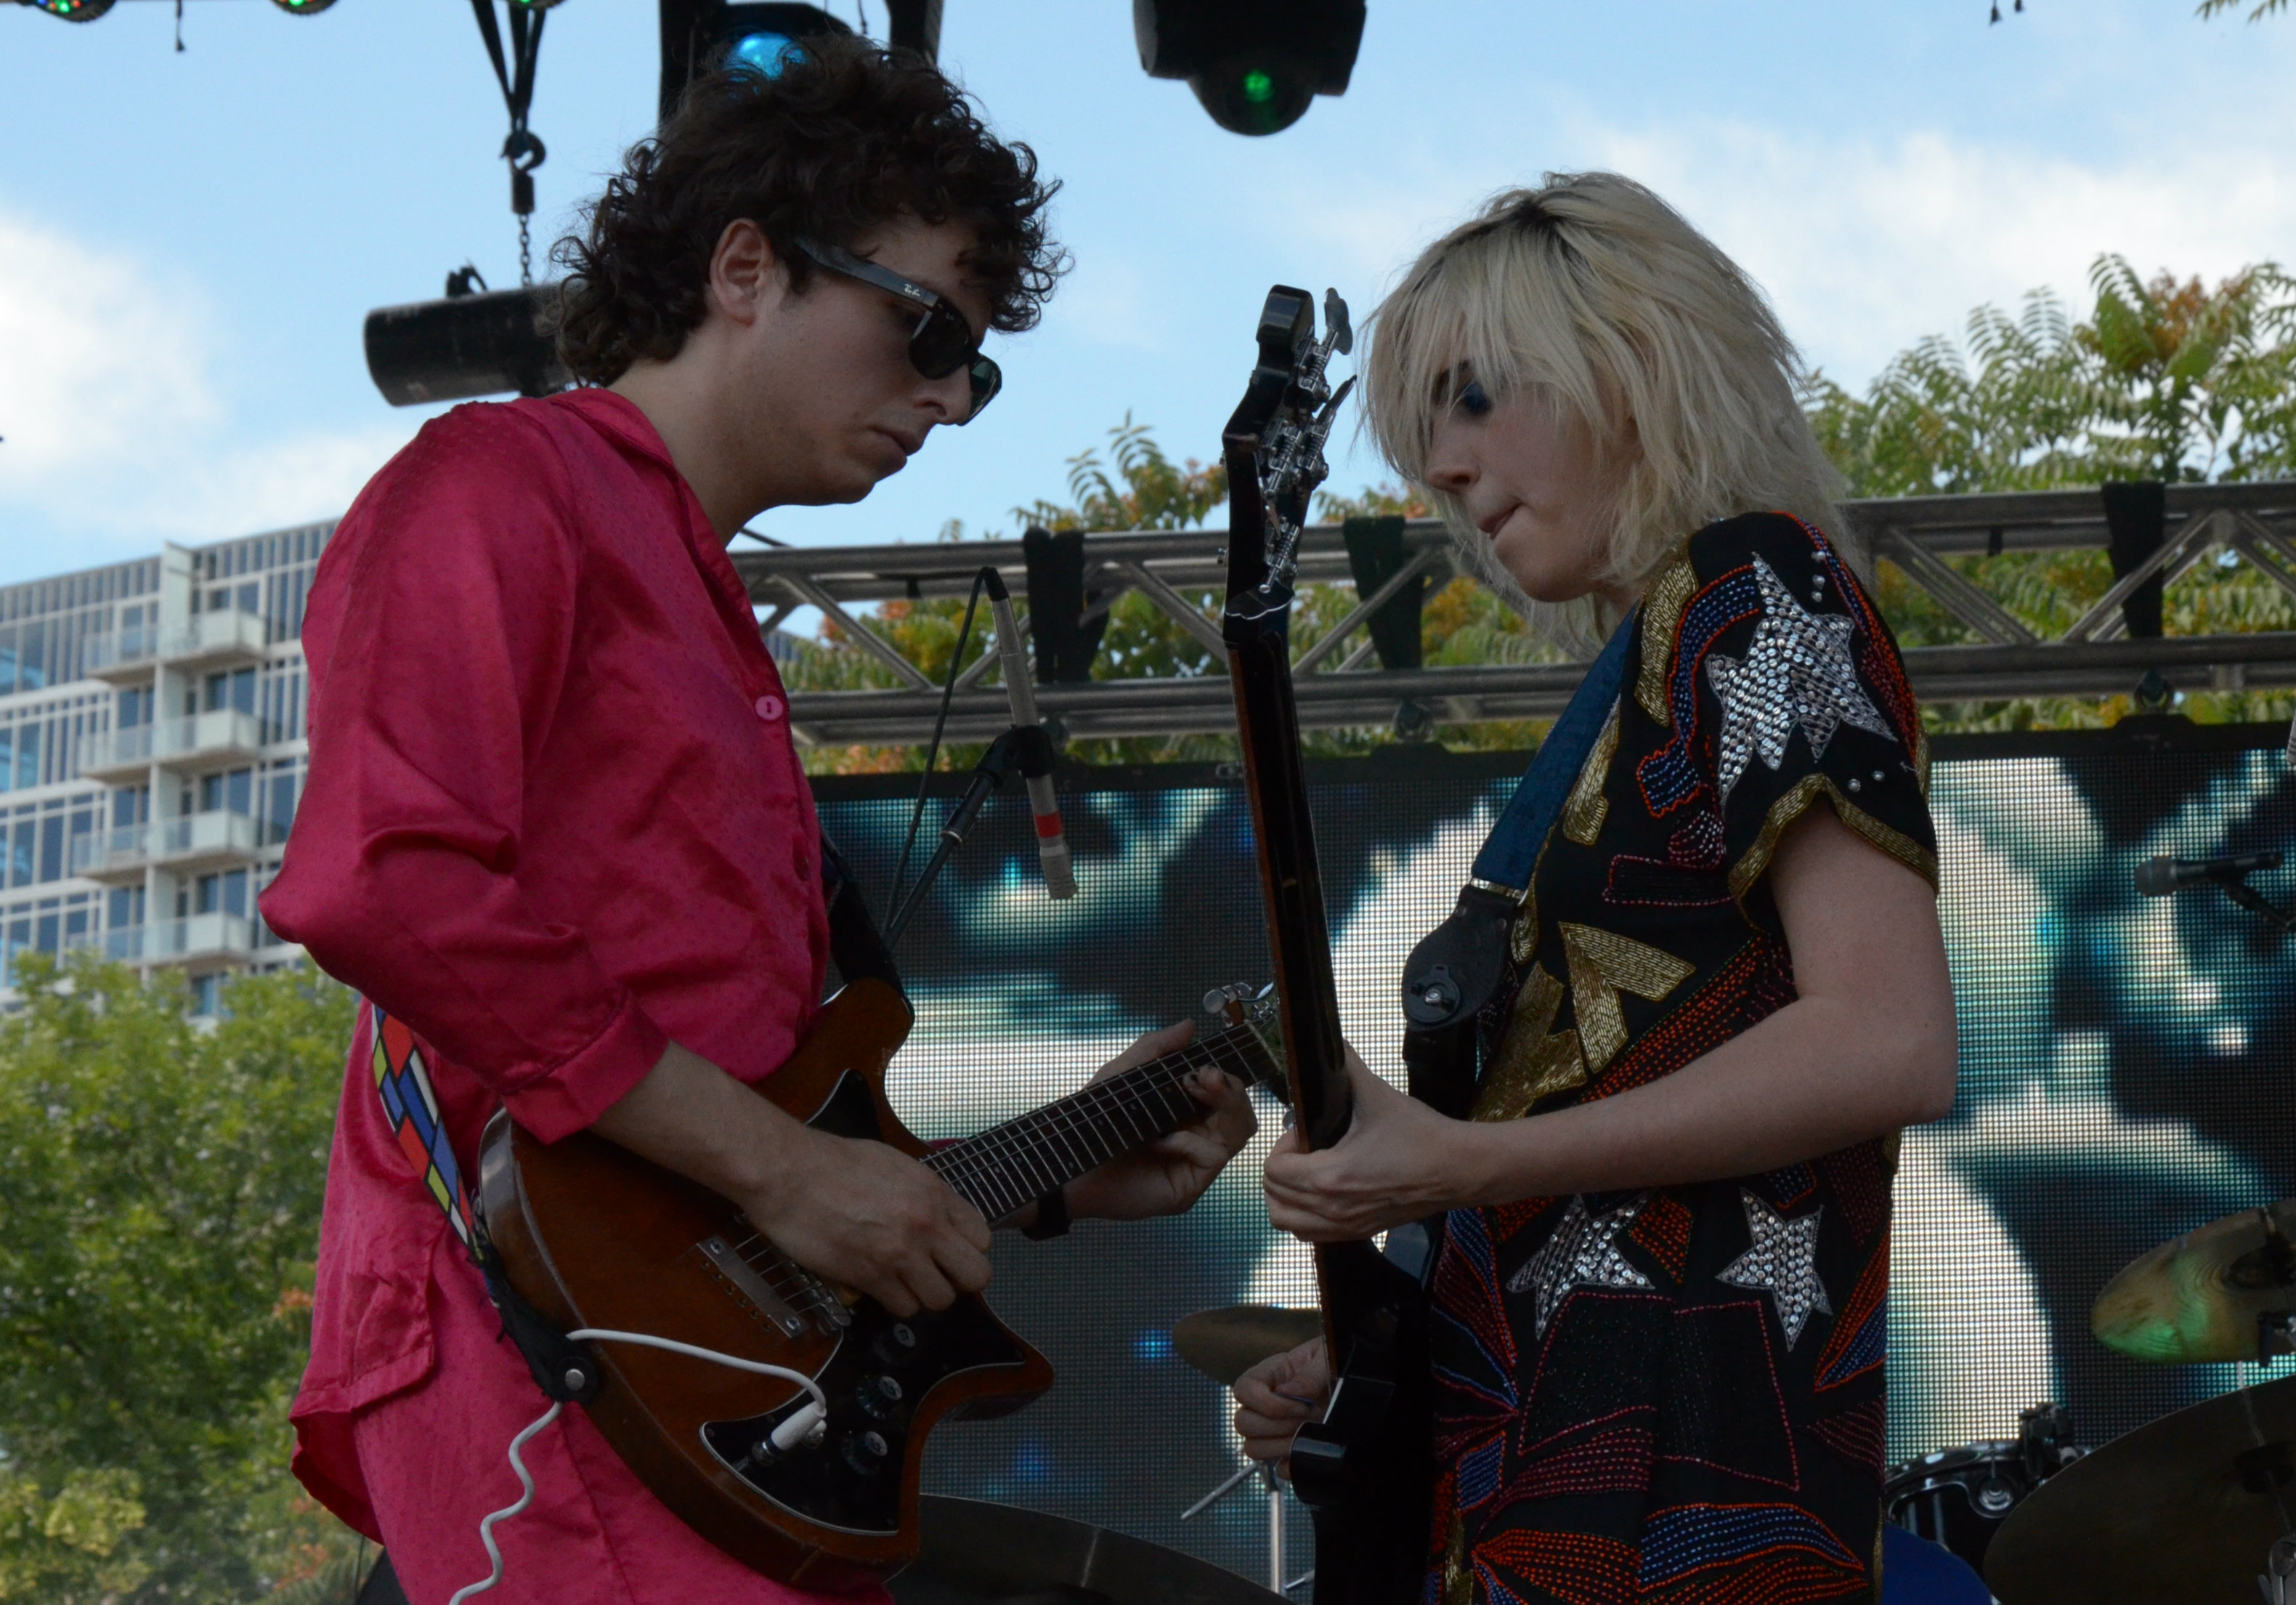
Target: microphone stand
{"type": "Point", "coordinates": [2248, 897]}
{"type": "Point", "coordinates": [987, 775]}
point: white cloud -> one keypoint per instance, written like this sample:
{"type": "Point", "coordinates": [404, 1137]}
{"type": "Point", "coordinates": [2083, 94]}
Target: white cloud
{"type": "Point", "coordinates": [114, 427]}
{"type": "Point", "coordinates": [1865, 245]}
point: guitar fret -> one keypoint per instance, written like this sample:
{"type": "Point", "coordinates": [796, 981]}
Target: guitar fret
{"type": "Point", "coordinates": [1002, 1169]}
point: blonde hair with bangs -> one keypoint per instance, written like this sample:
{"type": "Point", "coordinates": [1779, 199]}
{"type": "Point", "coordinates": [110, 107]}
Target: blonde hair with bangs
{"type": "Point", "coordinates": [1598, 297]}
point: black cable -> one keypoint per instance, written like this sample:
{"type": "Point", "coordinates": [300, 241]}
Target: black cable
{"type": "Point", "coordinates": [932, 753]}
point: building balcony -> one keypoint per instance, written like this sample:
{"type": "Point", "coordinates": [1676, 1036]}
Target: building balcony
{"type": "Point", "coordinates": [223, 735]}
{"type": "Point", "coordinates": [122, 656]}
{"type": "Point", "coordinates": [191, 842]}
{"type": "Point", "coordinates": [117, 754]}
{"type": "Point", "coordinates": [212, 639]}
{"type": "Point", "coordinates": [207, 740]}
{"type": "Point", "coordinates": [203, 942]}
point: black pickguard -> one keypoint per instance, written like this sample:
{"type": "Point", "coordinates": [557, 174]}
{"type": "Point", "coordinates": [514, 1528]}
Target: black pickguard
{"type": "Point", "coordinates": [844, 1479]}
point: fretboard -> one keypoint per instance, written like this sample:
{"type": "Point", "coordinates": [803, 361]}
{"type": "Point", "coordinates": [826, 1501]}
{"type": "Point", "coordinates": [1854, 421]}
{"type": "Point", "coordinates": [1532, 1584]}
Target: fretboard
{"type": "Point", "coordinates": [1009, 1165]}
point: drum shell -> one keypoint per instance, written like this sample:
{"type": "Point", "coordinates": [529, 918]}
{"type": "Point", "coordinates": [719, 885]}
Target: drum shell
{"type": "Point", "coordinates": [1959, 1497]}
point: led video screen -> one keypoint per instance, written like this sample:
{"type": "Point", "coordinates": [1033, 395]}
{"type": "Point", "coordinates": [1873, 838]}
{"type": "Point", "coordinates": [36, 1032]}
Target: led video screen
{"type": "Point", "coordinates": [2125, 1074]}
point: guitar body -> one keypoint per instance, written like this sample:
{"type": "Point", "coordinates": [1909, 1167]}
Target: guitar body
{"type": "Point", "coordinates": [595, 1237]}
{"type": "Point", "coordinates": [1366, 1469]}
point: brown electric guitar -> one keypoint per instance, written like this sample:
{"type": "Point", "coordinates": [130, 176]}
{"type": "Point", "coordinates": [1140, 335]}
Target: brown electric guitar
{"type": "Point", "coordinates": [592, 1236]}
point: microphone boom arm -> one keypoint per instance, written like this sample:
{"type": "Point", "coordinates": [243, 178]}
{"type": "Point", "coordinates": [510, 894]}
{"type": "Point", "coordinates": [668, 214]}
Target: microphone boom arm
{"type": "Point", "coordinates": [987, 775]}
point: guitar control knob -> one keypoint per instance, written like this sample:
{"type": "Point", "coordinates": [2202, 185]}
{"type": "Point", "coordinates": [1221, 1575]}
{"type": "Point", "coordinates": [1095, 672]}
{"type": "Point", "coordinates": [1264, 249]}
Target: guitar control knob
{"type": "Point", "coordinates": [865, 1452]}
{"type": "Point", "coordinates": [896, 1346]}
{"type": "Point", "coordinates": [878, 1396]}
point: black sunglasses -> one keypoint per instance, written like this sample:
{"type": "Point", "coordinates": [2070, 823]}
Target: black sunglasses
{"type": "Point", "coordinates": [942, 341]}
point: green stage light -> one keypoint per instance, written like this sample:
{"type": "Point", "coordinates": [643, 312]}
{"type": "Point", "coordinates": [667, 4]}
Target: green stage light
{"type": "Point", "coordinates": [74, 10]}
{"type": "Point", "coordinates": [1255, 64]}
{"type": "Point", "coordinates": [303, 8]}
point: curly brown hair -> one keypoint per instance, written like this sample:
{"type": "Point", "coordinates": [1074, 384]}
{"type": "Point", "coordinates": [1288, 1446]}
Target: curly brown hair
{"type": "Point", "coordinates": [847, 138]}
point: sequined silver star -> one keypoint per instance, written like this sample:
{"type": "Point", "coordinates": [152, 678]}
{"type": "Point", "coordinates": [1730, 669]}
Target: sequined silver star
{"type": "Point", "coordinates": [1583, 1253]}
{"type": "Point", "coordinates": [1781, 1263]}
{"type": "Point", "coordinates": [1798, 672]}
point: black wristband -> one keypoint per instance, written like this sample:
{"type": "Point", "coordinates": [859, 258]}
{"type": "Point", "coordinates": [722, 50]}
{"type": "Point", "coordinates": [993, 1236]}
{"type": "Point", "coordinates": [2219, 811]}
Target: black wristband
{"type": "Point", "coordinates": [1052, 1216]}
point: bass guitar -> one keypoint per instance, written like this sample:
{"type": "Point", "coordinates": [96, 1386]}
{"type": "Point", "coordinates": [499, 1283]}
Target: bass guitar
{"type": "Point", "coordinates": [590, 1236]}
{"type": "Point", "coordinates": [1365, 1469]}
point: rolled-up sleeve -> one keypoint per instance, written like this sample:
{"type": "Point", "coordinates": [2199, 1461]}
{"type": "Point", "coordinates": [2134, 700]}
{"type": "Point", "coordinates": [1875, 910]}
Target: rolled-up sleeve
{"type": "Point", "coordinates": [439, 634]}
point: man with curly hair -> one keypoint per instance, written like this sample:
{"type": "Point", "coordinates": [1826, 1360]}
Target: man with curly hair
{"type": "Point", "coordinates": [555, 832]}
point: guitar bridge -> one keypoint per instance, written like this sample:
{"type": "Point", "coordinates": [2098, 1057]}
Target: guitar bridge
{"type": "Point", "coordinates": [752, 1287]}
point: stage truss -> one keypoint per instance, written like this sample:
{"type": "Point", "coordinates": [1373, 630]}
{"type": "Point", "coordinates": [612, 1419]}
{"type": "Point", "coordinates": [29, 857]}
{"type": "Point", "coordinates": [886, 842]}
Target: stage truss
{"type": "Point", "coordinates": [1341, 685]}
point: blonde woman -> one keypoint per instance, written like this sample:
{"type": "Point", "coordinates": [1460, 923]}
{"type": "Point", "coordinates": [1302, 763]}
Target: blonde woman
{"type": "Point", "coordinates": [1659, 1293]}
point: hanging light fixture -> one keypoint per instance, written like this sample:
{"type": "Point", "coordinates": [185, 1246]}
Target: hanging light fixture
{"type": "Point", "coordinates": [73, 11]}
{"type": "Point", "coordinates": [303, 8]}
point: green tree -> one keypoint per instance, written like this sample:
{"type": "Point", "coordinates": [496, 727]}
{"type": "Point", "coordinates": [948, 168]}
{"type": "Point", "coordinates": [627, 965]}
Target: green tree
{"type": "Point", "coordinates": [160, 1177]}
{"type": "Point", "coordinates": [1135, 485]}
{"type": "Point", "coordinates": [2165, 378]}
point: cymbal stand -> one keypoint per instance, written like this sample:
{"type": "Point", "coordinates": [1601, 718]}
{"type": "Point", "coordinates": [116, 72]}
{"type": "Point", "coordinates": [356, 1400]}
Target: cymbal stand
{"type": "Point", "coordinates": [1275, 1482]}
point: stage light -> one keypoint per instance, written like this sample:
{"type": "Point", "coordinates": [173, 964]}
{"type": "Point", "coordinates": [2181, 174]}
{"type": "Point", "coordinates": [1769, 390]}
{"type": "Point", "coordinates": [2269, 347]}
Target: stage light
{"type": "Point", "coordinates": [302, 8]}
{"type": "Point", "coordinates": [480, 343]}
{"type": "Point", "coordinates": [697, 34]}
{"type": "Point", "coordinates": [1255, 64]}
{"type": "Point", "coordinates": [73, 11]}
{"type": "Point", "coordinates": [763, 54]}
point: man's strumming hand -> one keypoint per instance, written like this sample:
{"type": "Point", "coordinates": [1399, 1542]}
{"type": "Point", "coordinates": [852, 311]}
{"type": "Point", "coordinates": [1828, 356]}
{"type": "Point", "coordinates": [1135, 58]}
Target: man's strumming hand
{"type": "Point", "coordinates": [867, 1215]}
{"type": "Point", "coordinates": [856, 1212]}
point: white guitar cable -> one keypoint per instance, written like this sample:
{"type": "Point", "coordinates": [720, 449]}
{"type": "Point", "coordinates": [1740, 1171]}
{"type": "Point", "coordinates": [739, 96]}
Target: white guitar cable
{"type": "Point", "coordinates": [800, 1425]}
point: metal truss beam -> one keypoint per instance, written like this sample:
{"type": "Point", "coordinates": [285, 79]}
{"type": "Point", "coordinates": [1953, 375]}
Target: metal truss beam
{"type": "Point", "coordinates": [1173, 569]}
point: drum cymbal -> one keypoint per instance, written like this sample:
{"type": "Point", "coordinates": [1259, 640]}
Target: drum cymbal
{"type": "Point", "coordinates": [2182, 1511]}
{"type": "Point", "coordinates": [2197, 1298]}
{"type": "Point", "coordinates": [1224, 1344]}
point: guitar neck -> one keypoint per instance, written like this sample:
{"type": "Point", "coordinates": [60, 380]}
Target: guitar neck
{"type": "Point", "coordinates": [1259, 670]}
{"type": "Point", "coordinates": [1007, 1167]}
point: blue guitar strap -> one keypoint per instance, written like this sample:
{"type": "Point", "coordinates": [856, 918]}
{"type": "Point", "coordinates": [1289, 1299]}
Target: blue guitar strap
{"type": "Point", "coordinates": [1457, 971]}
{"type": "Point", "coordinates": [1510, 852]}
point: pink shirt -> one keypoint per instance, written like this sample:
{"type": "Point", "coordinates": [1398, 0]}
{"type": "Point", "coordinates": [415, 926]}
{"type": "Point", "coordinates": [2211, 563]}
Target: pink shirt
{"type": "Point", "coordinates": [554, 820]}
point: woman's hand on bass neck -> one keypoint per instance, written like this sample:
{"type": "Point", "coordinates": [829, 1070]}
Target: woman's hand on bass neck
{"type": "Point", "coordinates": [1401, 1161]}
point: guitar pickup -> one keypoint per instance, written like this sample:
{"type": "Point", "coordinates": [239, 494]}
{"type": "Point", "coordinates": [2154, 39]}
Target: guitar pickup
{"type": "Point", "coordinates": [749, 1285]}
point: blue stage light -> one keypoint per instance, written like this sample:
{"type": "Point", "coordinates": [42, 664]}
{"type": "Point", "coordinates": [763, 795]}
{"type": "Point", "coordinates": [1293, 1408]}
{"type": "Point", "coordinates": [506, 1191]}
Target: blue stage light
{"type": "Point", "coordinates": [763, 54]}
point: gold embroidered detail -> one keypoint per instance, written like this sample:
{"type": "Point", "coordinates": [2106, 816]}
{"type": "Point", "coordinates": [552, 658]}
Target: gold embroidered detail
{"type": "Point", "coordinates": [1534, 1059]}
{"type": "Point", "coordinates": [1789, 807]}
{"type": "Point", "coordinates": [1522, 940]}
{"type": "Point", "coordinates": [1584, 812]}
{"type": "Point", "coordinates": [1458, 1582]}
{"type": "Point", "coordinates": [1891, 1142]}
{"type": "Point", "coordinates": [1921, 756]}
{"type": "Point", "coordinates": [1663, 606]}
{"type": "Point", "coordinates": [1602, 964]}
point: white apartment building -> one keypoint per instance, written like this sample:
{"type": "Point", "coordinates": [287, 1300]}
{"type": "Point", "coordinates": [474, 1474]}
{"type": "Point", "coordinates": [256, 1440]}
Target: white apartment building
{"type": "Point", "coordinates": [152, 754]}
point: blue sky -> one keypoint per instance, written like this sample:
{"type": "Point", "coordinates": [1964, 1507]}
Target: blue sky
{"type": "Point", "coordinates": [189, 242]}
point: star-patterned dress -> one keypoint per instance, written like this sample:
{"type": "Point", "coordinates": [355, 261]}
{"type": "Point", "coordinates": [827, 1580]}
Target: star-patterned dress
{"type": "Point", "coordinates": [1676, 1394]}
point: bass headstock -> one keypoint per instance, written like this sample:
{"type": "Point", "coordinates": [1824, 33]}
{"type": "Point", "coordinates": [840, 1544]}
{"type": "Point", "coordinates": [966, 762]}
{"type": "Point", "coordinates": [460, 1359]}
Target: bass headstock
{"type": "Point", "coordinates": [1273, 449]}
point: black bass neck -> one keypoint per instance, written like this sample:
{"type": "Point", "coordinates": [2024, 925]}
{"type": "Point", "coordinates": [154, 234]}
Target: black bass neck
{"type": "Point", "coordinates": [1010, 1165]}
